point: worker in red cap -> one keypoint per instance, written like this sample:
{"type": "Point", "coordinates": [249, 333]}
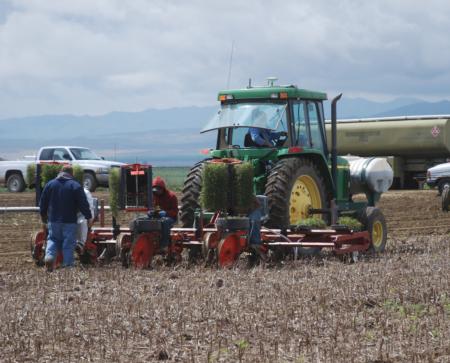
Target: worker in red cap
{"type": "Point", "coordinates": [166, 203]}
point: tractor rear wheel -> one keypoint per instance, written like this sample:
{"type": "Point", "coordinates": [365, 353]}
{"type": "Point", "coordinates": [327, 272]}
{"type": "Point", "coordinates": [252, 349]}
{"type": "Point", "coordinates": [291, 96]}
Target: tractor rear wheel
{"type": "Point", "coordinates": [374, 222]}
{"type": "Point", "coordinates": [190, 198]}
{"type": "Point", "coordinates": [294, 186]}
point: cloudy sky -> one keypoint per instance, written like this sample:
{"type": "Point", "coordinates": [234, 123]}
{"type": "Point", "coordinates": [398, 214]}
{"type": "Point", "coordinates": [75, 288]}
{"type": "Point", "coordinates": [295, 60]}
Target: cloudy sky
{"type": "Point", "coordinates": [97, 56]}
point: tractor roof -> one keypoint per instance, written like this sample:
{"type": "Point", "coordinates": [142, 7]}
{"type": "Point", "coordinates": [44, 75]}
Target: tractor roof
{"type": "Point", "coordinates": [271, 92]}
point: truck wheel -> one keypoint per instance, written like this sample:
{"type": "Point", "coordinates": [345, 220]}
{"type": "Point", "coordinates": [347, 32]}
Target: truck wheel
{"type": "Point", "coordinates": [374, 222]}
{"type": "Point", "coordinates": [89, 182]}
{"type": "Point", "coordinates": [190, 198]}
{"type": "Point", "coordinates": [446, 199]}
{"type": "Point", "coordinates": [293, 187]}
{"type": "Point", "coordinates": [444, 183]}
{"type": "Point", "coordinates": [15, 183]}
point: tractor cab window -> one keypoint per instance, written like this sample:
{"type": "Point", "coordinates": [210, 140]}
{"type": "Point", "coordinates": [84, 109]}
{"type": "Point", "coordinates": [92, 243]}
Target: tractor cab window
{"type": "Point", "coordinates": [315, 125]}
{"type": "Point", "coordinates": [238, 121]}
{"type": "Point", "coordinates": [301, 132]}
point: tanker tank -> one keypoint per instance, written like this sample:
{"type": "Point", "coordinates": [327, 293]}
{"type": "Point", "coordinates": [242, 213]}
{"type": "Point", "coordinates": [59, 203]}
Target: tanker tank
{"type": "Point", "coordinates": [411, 144]}
{"type": "Point", "coordinates": [394, 136]}
{"type": "Point", "coordinates": [369, 175]}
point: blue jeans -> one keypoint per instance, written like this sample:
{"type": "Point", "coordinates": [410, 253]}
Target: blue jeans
{"type": "Point", "coordinates": [166, 224]}
{"type": "Point", "coordinates": [61, 237]}
{"type": "Point", "coordinates": [255, 226]}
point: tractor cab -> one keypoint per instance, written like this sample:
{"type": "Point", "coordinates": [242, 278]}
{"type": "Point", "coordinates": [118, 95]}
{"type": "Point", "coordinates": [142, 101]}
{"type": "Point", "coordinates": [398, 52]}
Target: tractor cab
{"type": "Point", "coordinates": [267, 118]}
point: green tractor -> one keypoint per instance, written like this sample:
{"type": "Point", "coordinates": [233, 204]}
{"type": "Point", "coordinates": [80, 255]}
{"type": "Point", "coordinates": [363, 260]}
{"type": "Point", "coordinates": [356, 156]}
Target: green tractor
{"type": "Point", "coordinates": [297, 169]}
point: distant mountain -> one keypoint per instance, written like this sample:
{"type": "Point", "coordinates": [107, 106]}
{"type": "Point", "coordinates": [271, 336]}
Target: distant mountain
{"type": "Point", "coordinates": [360, 107]}
{"type": "Point", "coordinates": [70, 126]}
{"type": "Point", "coordinates": [420, 108]}
{"type": "Point", "coordinates": [161, 137]}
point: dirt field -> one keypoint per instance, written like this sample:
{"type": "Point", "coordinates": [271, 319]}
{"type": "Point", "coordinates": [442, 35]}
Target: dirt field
{"type": "Point", "coordinates": [389, 308]}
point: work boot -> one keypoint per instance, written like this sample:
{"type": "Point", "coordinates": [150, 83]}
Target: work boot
{"type": "Point", "coordinates": [49, 264]}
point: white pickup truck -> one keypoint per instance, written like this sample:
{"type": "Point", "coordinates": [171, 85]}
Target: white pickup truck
{"type": "Point", "coordinates": [96, 170]}
{"type": "Point", "coordinates": [439, 176]}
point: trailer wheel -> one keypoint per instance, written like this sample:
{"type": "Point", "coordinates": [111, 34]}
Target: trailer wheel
{"type": "Point", "coordinates": [15, 183]}
{"type": "Point", "coordinates": [374, 222]}
{"type": "Point", "coordinates": [191, 194]}
{"type": "Point", "coordinates": [89, 181]}
{"type": "Point", "coordinates": [293, 187]}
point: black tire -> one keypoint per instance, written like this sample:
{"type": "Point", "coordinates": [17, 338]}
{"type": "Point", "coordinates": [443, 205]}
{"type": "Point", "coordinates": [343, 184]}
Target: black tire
{"type": "Point", "coordinates": [190, 198]}
{"type": "Point", "coordinates": [15, 183]}
{"type": "Point", "coordinates": [279, 187]}
{"type": "Point", "coordinates": [90, 181]}
{"type": "Point", "coordinates": [444, 183]}
{"type": "Point", "coordinates": [446, 200]}
{"type": "Point", "coordinates": [373, 221]}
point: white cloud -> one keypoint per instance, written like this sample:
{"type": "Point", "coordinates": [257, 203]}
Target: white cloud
{"type": "Point", "coordinates": [95, 56]}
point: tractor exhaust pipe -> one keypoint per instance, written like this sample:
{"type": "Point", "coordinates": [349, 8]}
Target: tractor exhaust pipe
{"type": "Point", "coordinates": [334, 143]}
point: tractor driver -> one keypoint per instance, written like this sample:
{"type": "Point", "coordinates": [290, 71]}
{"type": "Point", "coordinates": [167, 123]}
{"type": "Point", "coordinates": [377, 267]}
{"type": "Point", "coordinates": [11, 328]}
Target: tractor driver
{"type": "Point", "coordinates": [264, 137]}
{"type": "Point", "coordinates": [165, 203]}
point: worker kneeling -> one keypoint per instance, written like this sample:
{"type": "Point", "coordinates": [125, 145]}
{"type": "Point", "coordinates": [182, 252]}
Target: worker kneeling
{"type": "Point", "coordinates": [165, 202]}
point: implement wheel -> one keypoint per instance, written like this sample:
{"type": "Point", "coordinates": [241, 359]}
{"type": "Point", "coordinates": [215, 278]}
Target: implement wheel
{"type": "Point", "coordinates": [294, 186]}
{"type": "Point", "coordinates": [374, 222]}
{"type": "Point", "coordinates": [228, 251]}
{"type": "Point", "coordinates": [38, 240]}
{"type": "Point", "coordinates": [123, 248]}
{"type": "Point", "coordinates": [143, 250]}
{"type": "Point", "coordinates": [191, 194]}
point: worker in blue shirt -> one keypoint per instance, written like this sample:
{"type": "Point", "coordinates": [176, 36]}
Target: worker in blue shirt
{"type": "Point", "coordinates": [60, 202]}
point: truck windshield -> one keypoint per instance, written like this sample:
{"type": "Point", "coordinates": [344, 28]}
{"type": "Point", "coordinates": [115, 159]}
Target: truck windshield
{"type": "Point", "coordinates": [257, 115]}
{"type": "Point", "coordinates": [83, 154]}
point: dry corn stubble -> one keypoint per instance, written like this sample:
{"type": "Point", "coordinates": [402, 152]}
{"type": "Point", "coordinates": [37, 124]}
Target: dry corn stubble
{"type": "Point", "coordinates": [389, 308]}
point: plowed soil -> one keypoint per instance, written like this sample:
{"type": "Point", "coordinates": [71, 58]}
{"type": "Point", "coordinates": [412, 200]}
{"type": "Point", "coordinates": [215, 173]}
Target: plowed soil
{"type": "Point", "coordinates": [394, 307]}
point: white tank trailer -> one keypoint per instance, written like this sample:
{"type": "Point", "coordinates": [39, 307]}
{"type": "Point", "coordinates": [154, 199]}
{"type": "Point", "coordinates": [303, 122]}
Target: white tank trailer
{"type": "Point", "coordinates": [369, 175]}
{"type": "Point", "coordinates": [411, 144]}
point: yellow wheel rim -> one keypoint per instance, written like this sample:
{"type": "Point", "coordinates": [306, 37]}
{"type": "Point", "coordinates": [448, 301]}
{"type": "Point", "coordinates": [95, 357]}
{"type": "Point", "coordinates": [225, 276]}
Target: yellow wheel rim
{"type": "Point", "coordinates": [377, 234]}
{"type": "Point", "coordinates": [305, 194]}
